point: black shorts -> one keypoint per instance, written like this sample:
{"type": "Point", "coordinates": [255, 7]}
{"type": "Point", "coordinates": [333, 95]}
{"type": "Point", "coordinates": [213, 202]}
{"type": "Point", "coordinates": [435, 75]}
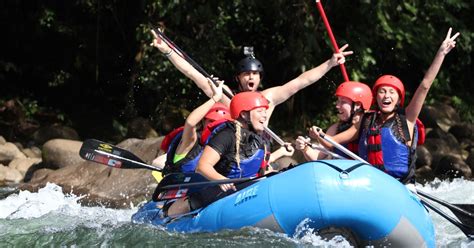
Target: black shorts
{"type": "Point", "coordinates": [209, 195]}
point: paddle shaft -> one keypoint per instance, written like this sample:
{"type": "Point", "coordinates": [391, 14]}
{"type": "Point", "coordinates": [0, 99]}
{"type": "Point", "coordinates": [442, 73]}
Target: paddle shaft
{"type": "Point", "coordinates": [342, 148]}
{"type": "Point", "coordinates": [331, 37]}
{"type": "Point", "coordinates": [206, 183]}
{"type": "Point", "coordinates": [468, 231]}
{"type": "Point", "coordinates": [193, 63]}
{"type": "Point", "coordinates": [324, 150]}
{"type": "Point", "coordinates": [452, 207]}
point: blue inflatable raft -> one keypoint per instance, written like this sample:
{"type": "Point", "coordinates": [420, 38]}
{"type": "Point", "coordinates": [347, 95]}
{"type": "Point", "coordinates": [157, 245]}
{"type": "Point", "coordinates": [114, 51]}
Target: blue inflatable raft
{"type": "Point", "coordinates": [345, 197]}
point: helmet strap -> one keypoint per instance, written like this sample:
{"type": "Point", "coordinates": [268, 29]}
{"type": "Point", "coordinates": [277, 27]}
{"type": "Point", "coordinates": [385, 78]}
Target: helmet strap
{"type": "Point", "coordinates": [352, 111]}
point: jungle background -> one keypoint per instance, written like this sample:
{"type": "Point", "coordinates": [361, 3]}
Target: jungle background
{"type": "Point", "coordinates": [88, 65]}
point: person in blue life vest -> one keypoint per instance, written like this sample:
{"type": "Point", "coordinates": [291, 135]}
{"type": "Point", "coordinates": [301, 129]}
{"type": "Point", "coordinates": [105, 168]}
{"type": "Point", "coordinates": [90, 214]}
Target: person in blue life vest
{"type": "Point", "coordinates": [235, 151]}
{"type": "Point", "coordinates": [353, 100]}
{"type": "Point", "coordinates": [249, 73]}
{"type": "Point", "coordinates": [388, 136]}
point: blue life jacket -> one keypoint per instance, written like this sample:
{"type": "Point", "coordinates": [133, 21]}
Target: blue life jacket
{"type": "Point", "coordinates": [249, 167]}
{"type": "Point", "coordinates": [382, 146]}
{"type": "Point", "coordinates": [251, 152]}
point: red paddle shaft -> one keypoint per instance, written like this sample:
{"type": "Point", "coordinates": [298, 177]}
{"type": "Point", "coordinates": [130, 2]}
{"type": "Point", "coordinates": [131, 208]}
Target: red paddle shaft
{"type": "Point", "coordinates": [331, 36]}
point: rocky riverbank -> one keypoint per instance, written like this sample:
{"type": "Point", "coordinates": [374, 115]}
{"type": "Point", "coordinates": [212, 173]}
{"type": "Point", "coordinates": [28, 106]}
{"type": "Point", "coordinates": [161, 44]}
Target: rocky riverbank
{"type": "Point", "coordinates": [447, 153]}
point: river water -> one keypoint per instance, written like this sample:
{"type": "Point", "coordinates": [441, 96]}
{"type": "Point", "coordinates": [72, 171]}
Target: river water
{"type": "Point", "coordinates": [53, 218]}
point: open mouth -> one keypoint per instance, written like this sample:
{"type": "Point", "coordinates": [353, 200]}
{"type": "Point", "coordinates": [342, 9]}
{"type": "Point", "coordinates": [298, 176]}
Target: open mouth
{"type": "Point", "coordinates": [251, 84]}
{"type": "Point", "coordinates": [386, 103]}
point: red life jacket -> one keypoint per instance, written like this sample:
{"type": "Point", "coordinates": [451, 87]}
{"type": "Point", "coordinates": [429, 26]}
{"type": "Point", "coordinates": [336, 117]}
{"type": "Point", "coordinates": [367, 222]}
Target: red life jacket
{"type": "Point", "coordinates": [264, 164]}
{"type": "Point", "coordinates": [351, 146]}
{"type": "Point", "coordinates": [375, 156]}
{"type": "Point", "coordinates": [165, 144]}
{"type": "Point", "coordinates": [208, 130]}
{"type": "Point", "coordinates": [421, 132]}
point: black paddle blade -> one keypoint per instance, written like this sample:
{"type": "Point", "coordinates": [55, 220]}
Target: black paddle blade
{"type": "Point", "coordinates": [462, 211]}
{"type": "Point", "coordinates": [92, 155]}
{"type": "Point", "coordinates": [93, 144]}
{"type": "Point", "coordinates": [466, 217]}
{"type": "Point", "coordinates": [181, 182]}
{"type": "Point", "coordinates": [110, 155]}
{"type": "Point", "coordinates": [180, 179]}
{"type": "Point", "coordinates": [169, 194]}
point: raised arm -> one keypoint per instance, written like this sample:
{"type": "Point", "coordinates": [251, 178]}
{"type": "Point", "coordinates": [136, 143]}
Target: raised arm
{"type": "Point", "coordinates": [182, 65]}
{"type": "Point", "coordinates": [414, 107]}
{"type": "Point", "coordinates": [189, 137]}
{"type": "Point", "coordinates": [279, 94]}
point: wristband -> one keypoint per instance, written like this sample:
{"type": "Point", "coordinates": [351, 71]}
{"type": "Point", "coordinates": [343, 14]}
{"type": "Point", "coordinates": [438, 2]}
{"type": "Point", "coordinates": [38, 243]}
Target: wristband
{"type": "Point", "coordinates": [168, 54]}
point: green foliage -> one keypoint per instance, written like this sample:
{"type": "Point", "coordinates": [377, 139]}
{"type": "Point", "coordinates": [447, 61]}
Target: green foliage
{"type": "Point", "coordinates": [30, 107]}
{"type": "Point", "coordinates": [95, 55]}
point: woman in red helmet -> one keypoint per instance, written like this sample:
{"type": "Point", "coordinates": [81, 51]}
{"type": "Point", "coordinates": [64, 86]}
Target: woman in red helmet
{"type": "Point", "coordinates": [235, 151]}
{"type": "Point", "coordinates": [353, 100]}
{"type": "Point", "coordinates": [388, 136]}
{"type": "Point", "coordinates": [183, 147]}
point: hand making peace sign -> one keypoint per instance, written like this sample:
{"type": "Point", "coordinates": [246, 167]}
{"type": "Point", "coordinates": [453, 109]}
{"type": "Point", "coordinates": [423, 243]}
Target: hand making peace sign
{"type": "Point", "coordinates": [448, 43]}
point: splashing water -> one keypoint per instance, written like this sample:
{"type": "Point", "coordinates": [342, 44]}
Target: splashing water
{"type": "Point", "coordinates": [52, 218]}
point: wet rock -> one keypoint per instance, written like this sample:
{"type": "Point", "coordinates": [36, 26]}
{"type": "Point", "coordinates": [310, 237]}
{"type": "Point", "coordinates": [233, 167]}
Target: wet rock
{"type": "Point", "coordinates": [452, 166]}
{"type": "Point", "coordinates": [448, 138]}
{"type": "Point", "coordinates": [424, 174]}
{"type": "Point", "coordinates": [58, 153]}
{"type": "Point", "coordinates": [102, 184]}
{"type": "Point", "coordinates": [2, 175]}
{"type": "Point", "coordinates": [470, 160]}
{"type": "Point", "coordinates": [462, 131]}
{"type": "Point", "coordinates": [439, 115]}
{"type": "Point", "coordinates": [141, 128]}
{"type": "Point", "coordinates": [437, 146]}
{"type": "Point", "coordinates": [9, 151]}
{"type": "Point", "coordinates": [9, 174]}
{"type": "Point", "coordinates": [147, 149]}
{"type": "Point", "coordinates": [23, 164]}
{"type": "Point", "coordinates": [424, 157]}
{"type": "Point", "coordinates": [2, 140]}
{"type": "Point", "coordinates": [32, 152]}
{"type": "Point", "coordinates": [55, 131]}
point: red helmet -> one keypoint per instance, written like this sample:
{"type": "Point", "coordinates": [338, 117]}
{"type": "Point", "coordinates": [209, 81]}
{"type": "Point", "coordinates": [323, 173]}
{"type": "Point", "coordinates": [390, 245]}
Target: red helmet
{"type": "Point", "coordinates": [392, 81]}
{"type": "Point", "coordinates": [357, 92]}
{"type": "Point", "coordinates": [217, 112]}
{"type": "Point", "coordinates": [246, 101]}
